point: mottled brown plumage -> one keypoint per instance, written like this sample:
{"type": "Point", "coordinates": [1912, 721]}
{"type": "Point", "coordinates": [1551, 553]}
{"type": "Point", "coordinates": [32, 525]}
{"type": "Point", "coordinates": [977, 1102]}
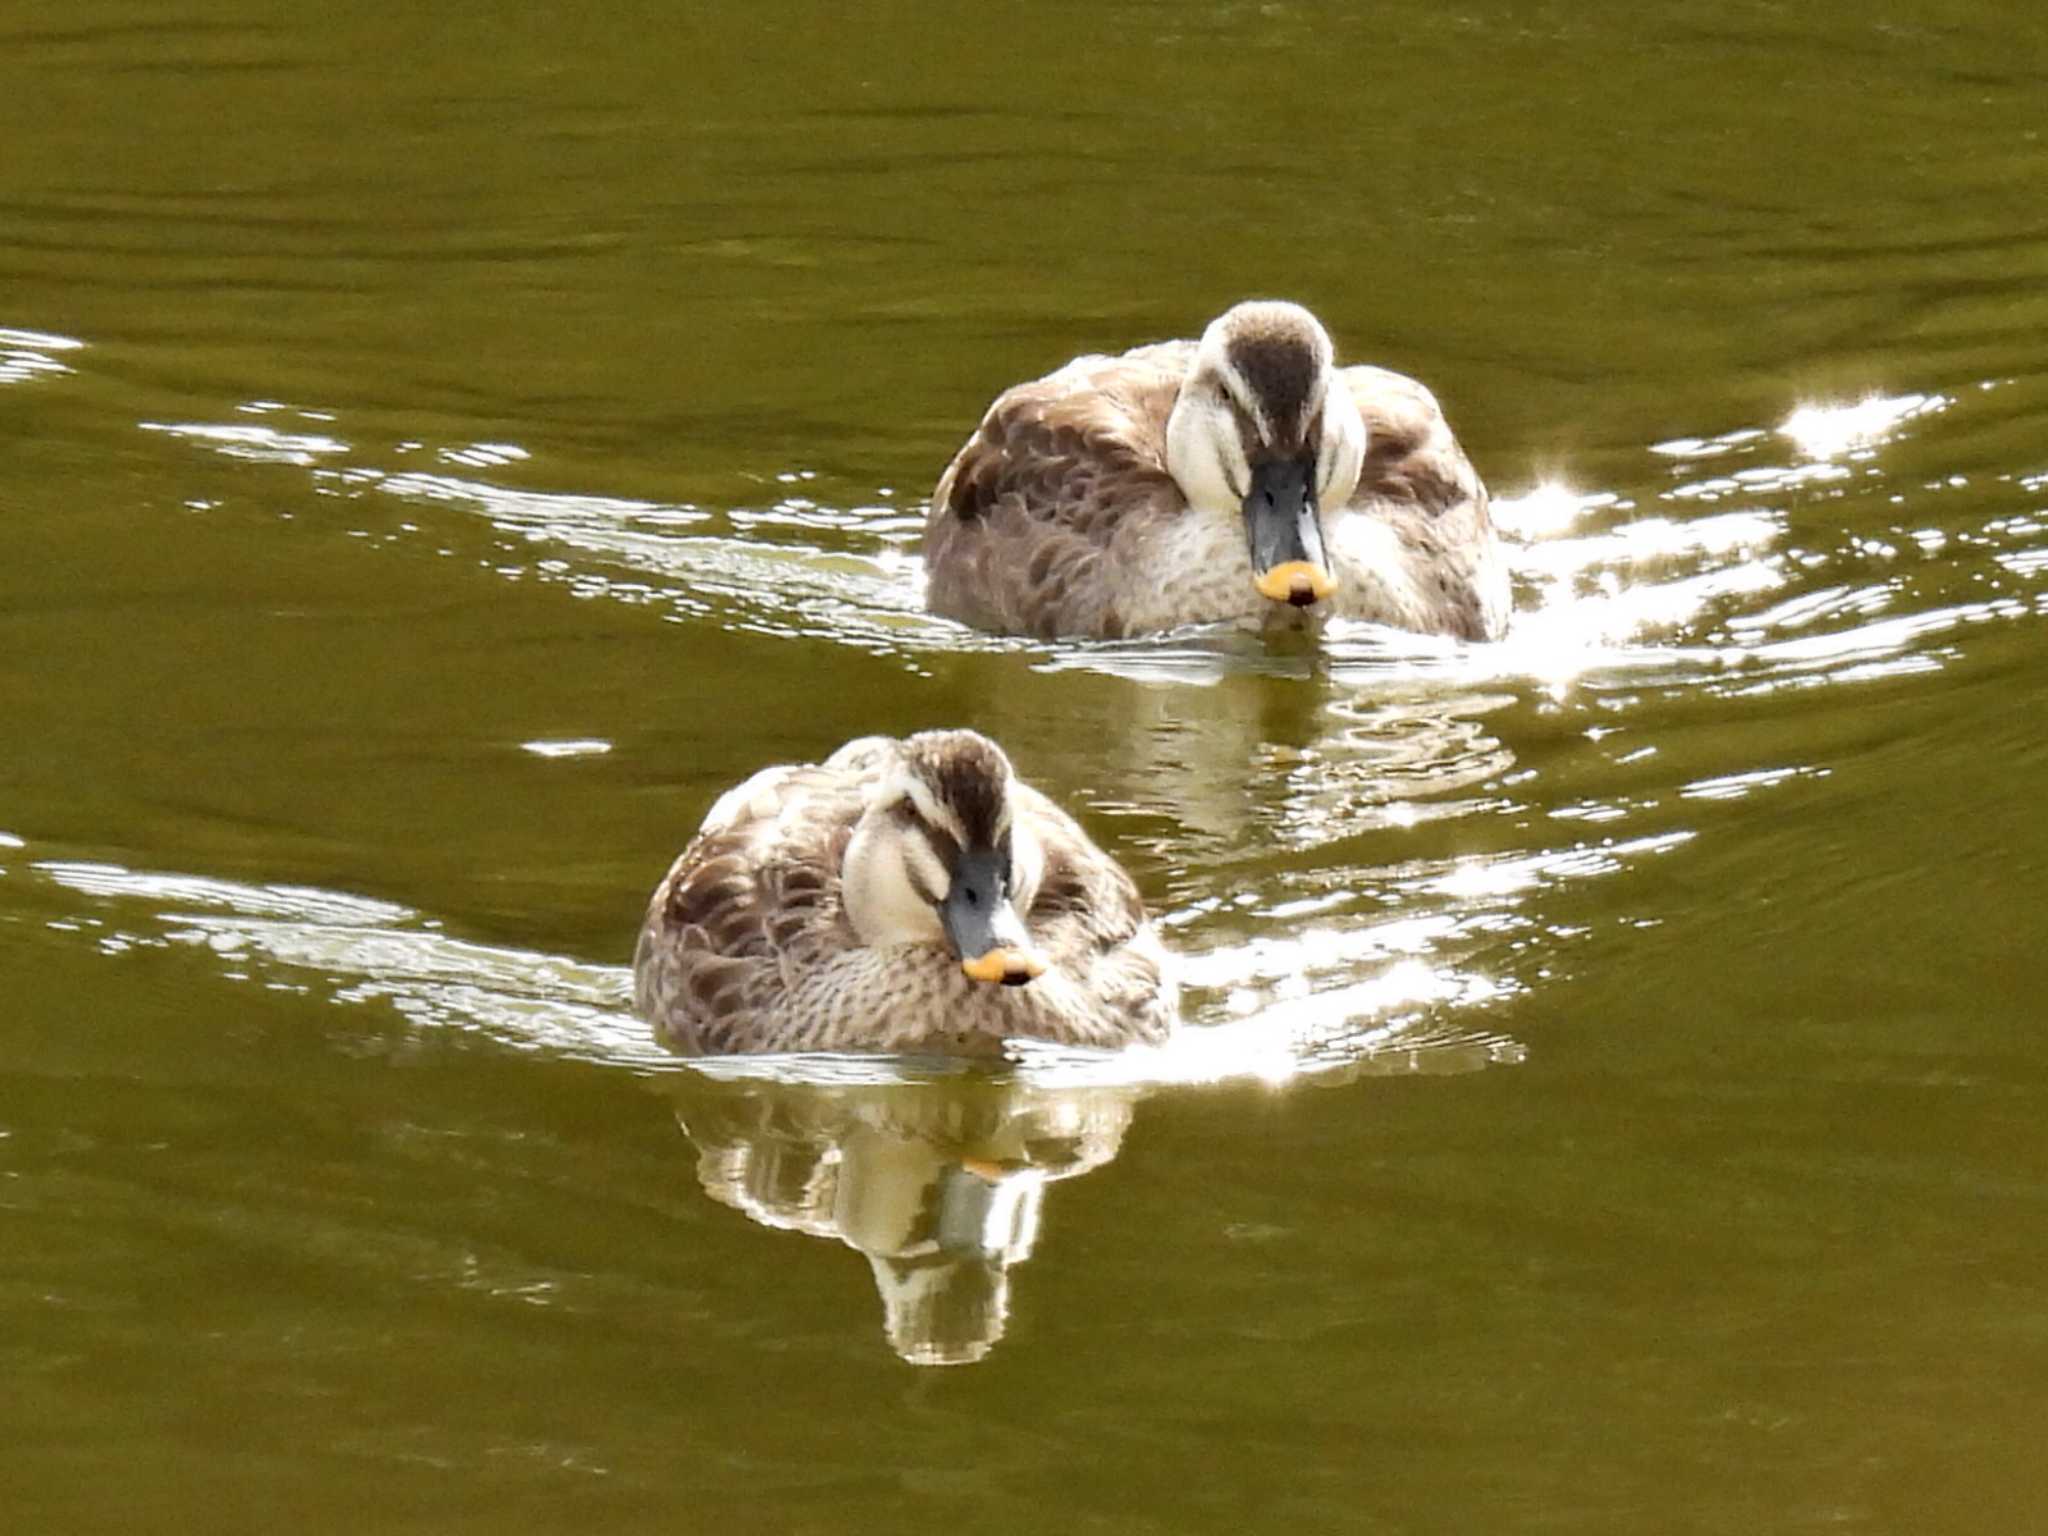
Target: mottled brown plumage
{"type": "Point", "coordinates": [749, 945]}
{"type": "Point", "coordinates": [1059, 517]}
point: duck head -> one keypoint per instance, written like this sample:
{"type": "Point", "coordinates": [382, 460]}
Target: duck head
{"type": "Point", "coordinates": [937, 859]}
{"type": "Point", "coordinates": [1265, 430]}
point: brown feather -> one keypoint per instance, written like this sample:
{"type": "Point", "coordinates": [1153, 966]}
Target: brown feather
{"type": "Point", "coordinates": [1050, 519]}
{"type": "Point", "coordinates": [747, 945]}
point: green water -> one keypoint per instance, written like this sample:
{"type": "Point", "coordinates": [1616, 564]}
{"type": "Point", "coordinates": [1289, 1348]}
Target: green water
{"type": "Point", "coordinates": [441, 448]}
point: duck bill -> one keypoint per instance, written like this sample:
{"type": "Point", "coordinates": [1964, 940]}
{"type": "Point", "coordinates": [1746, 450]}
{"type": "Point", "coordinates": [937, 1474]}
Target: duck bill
{"type": "Point", "coordinates": [982, 924]}
{"type": "Point", "coordinates": [1285, 534]}
{"type": "Point", "coordinates": [1010, 966]}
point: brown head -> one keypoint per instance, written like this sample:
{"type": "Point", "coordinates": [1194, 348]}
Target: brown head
{"type": "Point", "coordinates": [936, 858]}
{"type": "Point", "coordinates": [1265, 430]}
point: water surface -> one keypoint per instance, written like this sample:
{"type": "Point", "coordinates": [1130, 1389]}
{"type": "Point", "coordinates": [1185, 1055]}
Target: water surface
{"type": "Point", "coordinates": [444, 449]}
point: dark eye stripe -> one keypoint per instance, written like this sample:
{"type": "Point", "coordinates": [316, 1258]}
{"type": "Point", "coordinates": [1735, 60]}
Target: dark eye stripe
{"type": "Point", "coordinates": [944, 844]}
{"type": "Point", "coordinates": [915, 868]}
{"type": "Point", "coordinates": [1248, 435]}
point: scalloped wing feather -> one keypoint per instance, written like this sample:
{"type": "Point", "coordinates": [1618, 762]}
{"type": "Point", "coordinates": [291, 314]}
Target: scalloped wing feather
{"type": "Point", "coordinates": [1064, 475]}
{"type": "Point", "coordinates": [1418, 481]}
{"type": "Point", "coordinates": [750, 903]}
{"type": "Point", "coordinates": [746, 946]}
{"type": "Point", "coordinates": [1042, 523]}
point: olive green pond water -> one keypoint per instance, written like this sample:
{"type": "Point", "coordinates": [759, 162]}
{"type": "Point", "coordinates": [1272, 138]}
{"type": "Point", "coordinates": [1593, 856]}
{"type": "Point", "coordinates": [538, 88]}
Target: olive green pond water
{"type": "Point", "coordinates": [442, 446]}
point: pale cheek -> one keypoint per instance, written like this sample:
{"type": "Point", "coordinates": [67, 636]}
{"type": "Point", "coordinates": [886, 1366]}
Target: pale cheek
{"type": "Point", "coordinates": [1229, 480]}
{"type": "Point", "coordinates": [931, 875]}
{"type": "Point", "coordinates": [1237, 472]}
{"type": "Point", "coordinates": [880, 900]}
{"type": "Point", "coordinates": [1338, 466]}
{"type": "Point", "coordinates": [1206, 459]}
{"type": "Point", "coordinates": [1027, 868]}
{"type": "Point", "coordinates": [910, 918]}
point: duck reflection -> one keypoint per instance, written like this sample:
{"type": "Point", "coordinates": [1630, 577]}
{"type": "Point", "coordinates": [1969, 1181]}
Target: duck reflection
{"type": "Point", "coordinates": [1226, 767]}
{"type": "Point", "coordinates": [938, 1183]}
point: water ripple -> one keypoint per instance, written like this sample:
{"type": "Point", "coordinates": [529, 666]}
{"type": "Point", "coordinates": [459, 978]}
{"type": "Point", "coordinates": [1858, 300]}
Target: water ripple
{"type": "Point", "coordinates": [30, 355]}
{"type": "Point", "coordinates": [1723, 572]}
{"type": "Point", "coordinates": [1293, 1007]}
{"type": "Point", "coordinates": [259, 445]}
{"type": "Point", "coordinates": [1607, 588]}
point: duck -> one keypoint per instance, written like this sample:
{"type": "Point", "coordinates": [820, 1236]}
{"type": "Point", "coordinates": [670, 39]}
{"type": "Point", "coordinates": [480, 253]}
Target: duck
{"type": "Point", "coordinates": [939, 1184]}
{"type": "Point", "coordinates": [1241, 478]}
{"type": "Point", "coordinates": [904, 895]}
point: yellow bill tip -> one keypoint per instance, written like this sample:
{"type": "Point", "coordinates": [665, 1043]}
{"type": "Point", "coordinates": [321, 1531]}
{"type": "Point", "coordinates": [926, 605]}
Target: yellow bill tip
{"type": "Point", "coordinates": [1011, 967]}
{"type": "Point", "coordinates": [1297, 582]}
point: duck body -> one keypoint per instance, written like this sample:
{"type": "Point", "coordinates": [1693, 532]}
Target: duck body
{"type": "Point", "coordinates": [905, 896]}
{"type": "Point", "coordinates": [1242, 478]}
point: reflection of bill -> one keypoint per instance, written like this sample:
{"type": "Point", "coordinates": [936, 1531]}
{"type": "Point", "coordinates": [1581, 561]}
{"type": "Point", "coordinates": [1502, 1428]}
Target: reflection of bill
{"type": "Point", "coordinates": [938, 1183]}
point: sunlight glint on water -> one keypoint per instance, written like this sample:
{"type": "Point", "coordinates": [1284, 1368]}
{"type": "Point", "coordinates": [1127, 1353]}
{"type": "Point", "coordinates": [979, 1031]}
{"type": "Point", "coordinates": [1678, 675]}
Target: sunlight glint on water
{"type": "Point", "coordinates": [1673, 958]}
{"type": "Point", "coordinates": [1835, 431]}
{"type": "Point", "coordinates": [1276, 1025]}
{"type": "Point", "coordinates": [1605, 592]}
{"type": "Point", "coordinates": [1603, 588]}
